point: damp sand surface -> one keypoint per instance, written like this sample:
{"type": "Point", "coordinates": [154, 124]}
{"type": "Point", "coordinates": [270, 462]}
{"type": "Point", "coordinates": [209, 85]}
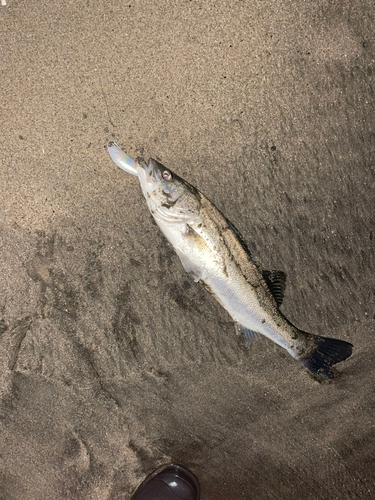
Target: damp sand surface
{"type": "Point", "coordinates": [112, 360]}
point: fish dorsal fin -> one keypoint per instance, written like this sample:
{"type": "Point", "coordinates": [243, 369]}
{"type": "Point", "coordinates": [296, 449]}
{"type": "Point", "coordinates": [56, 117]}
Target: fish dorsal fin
{"type": "Point", "coordinates": [276, 281]}
{"type": "Point", "coordinates": [249, 335]}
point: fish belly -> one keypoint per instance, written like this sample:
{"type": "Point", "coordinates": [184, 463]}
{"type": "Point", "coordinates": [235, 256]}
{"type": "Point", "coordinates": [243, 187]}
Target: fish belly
{"type": "Point", "coordinates": [241, 302]}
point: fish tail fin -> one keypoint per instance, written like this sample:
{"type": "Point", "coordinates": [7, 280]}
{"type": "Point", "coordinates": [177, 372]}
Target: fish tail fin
{"type": "Point", "coordinates": [325, 353]}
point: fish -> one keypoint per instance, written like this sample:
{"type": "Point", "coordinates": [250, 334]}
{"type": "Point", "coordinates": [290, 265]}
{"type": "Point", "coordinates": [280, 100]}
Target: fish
{"type": "Point", "coordinates": [213, 252]}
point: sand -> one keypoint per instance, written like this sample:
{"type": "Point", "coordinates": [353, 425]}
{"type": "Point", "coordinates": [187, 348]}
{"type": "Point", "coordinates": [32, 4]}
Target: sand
{"type": "Point", "coordinates": [112, 360]}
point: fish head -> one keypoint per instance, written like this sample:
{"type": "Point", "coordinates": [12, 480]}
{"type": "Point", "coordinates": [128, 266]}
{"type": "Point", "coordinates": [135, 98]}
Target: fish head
{"type": "Point", "coordinates": [169, 197]}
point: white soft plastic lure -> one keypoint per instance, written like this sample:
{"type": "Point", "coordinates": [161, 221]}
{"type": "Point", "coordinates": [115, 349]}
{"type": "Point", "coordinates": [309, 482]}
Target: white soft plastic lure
{"type": "Point", "coordinates": [121, 159]}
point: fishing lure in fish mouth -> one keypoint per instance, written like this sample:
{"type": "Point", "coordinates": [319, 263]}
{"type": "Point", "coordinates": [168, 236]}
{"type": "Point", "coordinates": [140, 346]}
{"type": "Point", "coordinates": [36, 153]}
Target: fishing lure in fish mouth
{"type": "Point", "coordinates": [121, 159]}
{"type": "Point", "coordinates": [213, 252]}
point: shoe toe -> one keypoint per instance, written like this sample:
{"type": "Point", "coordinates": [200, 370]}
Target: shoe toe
{"type": "Point", "coordinates": [169, 482]}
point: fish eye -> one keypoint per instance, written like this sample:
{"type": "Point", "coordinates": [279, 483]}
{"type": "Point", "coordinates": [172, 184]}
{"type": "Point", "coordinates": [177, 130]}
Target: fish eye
{"type": "Point", "coordinates": [167, 175]}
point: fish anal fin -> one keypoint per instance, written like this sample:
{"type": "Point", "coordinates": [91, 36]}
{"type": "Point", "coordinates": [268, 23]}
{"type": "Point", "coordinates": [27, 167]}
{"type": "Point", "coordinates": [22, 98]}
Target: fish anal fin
{"type": "Point", "coordinates": [249, 335]}
{"type": "Point", "coordinates": [276, 282]}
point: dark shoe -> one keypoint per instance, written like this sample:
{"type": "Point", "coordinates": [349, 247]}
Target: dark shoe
{"type": "Point", "coordinates": [169, 482]}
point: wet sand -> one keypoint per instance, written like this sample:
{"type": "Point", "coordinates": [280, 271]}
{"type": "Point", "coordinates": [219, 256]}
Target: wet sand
{"type": "Point", "coordinates": [112, 360]}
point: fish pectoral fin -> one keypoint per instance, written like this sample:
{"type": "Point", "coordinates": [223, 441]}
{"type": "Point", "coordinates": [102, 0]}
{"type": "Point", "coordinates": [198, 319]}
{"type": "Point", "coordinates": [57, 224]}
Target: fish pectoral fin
{"type": "Point", "coordinates": [194, 238]}
{"type": "Point", "coordinates": [249, 335]}
{"type": "Point", "coordinates": [192, 269]}
{"type": "Point", "coordinates": [276, 282]}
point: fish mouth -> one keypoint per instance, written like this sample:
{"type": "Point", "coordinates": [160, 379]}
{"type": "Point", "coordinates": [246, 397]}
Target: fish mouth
{"type": "Point", "coordinates": [151, 168]}
{"type": "Point", "coordinates": [148, 176]}
{"type": "Point", "coordinates": [148, 173]}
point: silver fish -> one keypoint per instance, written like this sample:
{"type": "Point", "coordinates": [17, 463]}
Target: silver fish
{"type": "Point", "coordinates": [213, 252]}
